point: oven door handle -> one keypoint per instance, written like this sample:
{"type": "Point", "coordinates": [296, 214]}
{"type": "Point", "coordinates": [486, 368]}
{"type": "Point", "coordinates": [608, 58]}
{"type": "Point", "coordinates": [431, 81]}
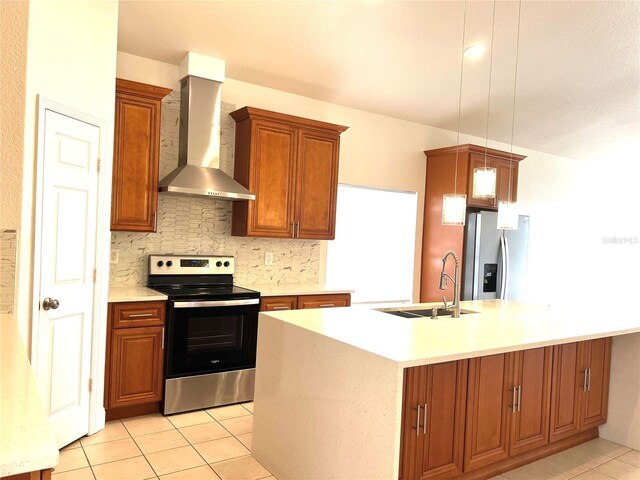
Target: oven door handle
{"type": "Point", "coordinates": [216, 303]}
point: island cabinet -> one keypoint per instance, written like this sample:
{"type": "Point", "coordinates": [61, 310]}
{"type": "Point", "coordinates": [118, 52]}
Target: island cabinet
{"type": "Point", "coordinates": [492, 415]}
{"type": "Point", "coordinates": [134, 359]}
{"type": "Point", "coordinates": [580, 389]}
{"type": "Point", "coordinates": [136, 153]}
{"type": "Point", "coordinates": [433, 421]}
{"type": "Point", "coordinates": [440, 178]}
{"type": "Point", "coordinates": [291, 165]}
{"type": "Point", "coordinates": [299, 302]}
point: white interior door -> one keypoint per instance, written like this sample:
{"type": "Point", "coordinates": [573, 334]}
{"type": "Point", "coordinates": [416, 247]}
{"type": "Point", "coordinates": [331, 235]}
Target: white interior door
{"type": "Point", "coordinates": [67, 259]}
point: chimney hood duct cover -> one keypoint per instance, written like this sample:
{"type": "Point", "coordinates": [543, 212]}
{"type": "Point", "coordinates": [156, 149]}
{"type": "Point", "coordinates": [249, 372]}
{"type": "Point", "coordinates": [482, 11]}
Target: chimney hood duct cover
{"type": "Point", "coordinates": [198, 171]}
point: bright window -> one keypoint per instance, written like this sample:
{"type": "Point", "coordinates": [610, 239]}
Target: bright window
{"type": "Point", "coordinates": [373, 251]}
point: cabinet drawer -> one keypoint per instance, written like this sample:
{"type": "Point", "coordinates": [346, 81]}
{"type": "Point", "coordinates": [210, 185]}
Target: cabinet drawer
{"type": "Point", "coordinates": [324, 301]}
{"type": "Point", "coordinates": [269, 304]}
{"type": "Point", "coordinates": [137, 314]}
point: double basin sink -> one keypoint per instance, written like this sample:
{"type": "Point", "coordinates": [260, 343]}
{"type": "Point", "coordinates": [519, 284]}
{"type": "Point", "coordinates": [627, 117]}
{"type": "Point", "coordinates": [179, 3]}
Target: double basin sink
{"type": "Point", "coordinates": [413, 312]}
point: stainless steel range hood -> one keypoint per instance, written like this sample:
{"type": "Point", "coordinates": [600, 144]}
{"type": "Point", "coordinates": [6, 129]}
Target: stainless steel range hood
{"type": "Point", "coordinates": [198, 171]}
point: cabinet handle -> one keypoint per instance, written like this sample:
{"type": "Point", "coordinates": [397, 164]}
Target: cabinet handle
{"type": "Point", "coordinates": [327, 305]}
{"type": "Point", "coordinates": [162, 338]}
{"type": "Point", "coordinates": [585, 380]}
{"type": "Point", "coordinates": [589, 379]}
{"type": "Point", "coordinates": [283, 307]}
{"type": "Point", "coordinates": [418, 422]}
{"type": "Point", "coordinates": [514, 399]}
{"type": "Point", "coordinates": [424, 424]}
{"type": "Point", "coordinates": [298, 229]}
{"type": "Point", "coordinates": [293, 229]}
{"type": "Point", "coordinates": [138, 315]}
{"type": "Point", "coordinates": [519, 387]}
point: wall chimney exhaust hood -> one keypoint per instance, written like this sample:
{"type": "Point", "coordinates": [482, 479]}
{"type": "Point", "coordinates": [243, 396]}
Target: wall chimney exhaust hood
{"type": "Point", "coordinates": [198, 171]}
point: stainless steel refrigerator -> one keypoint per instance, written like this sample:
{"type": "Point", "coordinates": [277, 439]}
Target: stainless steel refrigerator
{"type": "Point", "coordinates": [495, 261]}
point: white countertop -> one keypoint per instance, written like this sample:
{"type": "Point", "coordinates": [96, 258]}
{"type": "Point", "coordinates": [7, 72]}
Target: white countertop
{"type": "Point", "coordinates": [271, 290]}
{"type": "Point", "coordinates": [27, 442]}
{"type": "Point", "coordinates": [134, 294]}
{"type": "Point", "coordinates": [500, 326]}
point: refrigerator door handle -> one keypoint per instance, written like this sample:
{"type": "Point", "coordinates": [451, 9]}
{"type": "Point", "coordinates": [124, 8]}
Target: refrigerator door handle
{"type": "Point", "coordinates": [503, 276]}
{"type": "Point", "coordinates": [476, 258]}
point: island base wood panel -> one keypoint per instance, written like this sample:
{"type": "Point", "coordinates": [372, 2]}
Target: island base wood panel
{"type": "Point", "coordinates": [511, 463]}
{"type": "Point", "coordinates": [37, 475]}
{"type": "Point", "coordinates": [513, 401]}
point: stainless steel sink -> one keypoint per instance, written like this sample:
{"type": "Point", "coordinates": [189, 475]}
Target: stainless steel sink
{"type": "Point", "coordinates": [425, 312]}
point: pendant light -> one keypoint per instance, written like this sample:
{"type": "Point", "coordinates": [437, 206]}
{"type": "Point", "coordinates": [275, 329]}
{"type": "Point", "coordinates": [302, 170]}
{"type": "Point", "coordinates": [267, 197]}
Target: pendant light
{"type": "Point", "coordinates": [454, 205]}
{"type": "Point", "coordinates": [484, 178]}
{"type": "Point", "coordinates": [508, 211]}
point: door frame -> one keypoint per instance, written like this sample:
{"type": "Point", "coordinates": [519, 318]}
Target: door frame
{"type": "Point", "coordinates": [96, 420]}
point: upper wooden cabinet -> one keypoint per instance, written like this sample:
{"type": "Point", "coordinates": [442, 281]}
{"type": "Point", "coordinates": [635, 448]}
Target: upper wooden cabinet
{"type": "Point", "coordinates": [291, 165]}
{"type": "Point", "coordinates": [438, 238]}
{"type": "Point", "coordinates": [136, 153]}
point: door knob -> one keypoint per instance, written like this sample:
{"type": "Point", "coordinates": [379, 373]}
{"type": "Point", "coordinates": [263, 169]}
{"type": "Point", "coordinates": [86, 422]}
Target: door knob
{"type": "Point", "coordinates": [50, 304]}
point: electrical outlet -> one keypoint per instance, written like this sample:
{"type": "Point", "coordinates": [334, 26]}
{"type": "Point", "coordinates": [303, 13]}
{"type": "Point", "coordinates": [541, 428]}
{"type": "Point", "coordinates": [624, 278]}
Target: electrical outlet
{"type": "Point", "coordinates": [268, 258]}
{"type": "Point", "coordinates": [115, 257]}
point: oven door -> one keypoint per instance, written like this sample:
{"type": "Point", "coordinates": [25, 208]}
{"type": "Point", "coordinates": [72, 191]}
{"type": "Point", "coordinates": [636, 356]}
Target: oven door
{"type": "Point", "coordinates": [210, 336]}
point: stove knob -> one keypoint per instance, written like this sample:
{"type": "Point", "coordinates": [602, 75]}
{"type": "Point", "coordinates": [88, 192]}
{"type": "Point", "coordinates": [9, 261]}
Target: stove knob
{"type": "Point", "coordinates": [160, 263]}
{"type": "Point", "coordinates": [226, 264]}
{"type": "Point", "coordinates": [169, 263]}
{"type": "Point", "coordinates": [218, 264]}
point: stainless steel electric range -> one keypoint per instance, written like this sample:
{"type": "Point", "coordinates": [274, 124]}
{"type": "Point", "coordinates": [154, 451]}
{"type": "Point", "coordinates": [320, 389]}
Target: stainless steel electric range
{"type": "Point", "coordinates": [210, 333]}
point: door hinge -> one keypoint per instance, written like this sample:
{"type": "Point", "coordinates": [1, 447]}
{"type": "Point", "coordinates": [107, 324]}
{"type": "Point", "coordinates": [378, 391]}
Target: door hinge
{"type": "Point", "coordinates": [95, 275]}
{"type": "Point", "coordinates": [99, 165]}
{"type": "Point", "coordinates": [90, 385]}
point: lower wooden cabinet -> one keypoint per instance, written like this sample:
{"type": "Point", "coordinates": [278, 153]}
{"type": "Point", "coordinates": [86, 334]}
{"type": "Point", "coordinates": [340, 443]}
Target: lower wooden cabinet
{"type": "Point", "coordinates": [580, 390]}
{"type": "Point", "coordinates": [135, 358]}
{"type": "Point", "coordinates": [489, 410]}
{"type": "Point", "coordinates": [531, 382]}
{"type": "Point", "coordinates": [433, 421]}
{"type": "Point", "coordinates": [497, 412]}
{"type": "Point", "coordinates": [268, 304]}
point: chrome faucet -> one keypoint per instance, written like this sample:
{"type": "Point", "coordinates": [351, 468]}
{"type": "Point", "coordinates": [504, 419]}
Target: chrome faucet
{"type": "Point", "coordinates": [455, 306]}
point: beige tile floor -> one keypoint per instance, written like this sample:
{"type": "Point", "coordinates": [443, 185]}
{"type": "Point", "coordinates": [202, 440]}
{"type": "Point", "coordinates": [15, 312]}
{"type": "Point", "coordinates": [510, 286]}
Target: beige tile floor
{"type": "Point", "coordinates": [215, 444]}
{"type": "Point", "coordinates": [212, 444]}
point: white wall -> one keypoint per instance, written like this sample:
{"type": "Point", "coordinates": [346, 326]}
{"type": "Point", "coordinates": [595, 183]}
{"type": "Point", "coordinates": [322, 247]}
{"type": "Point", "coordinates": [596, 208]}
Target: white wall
{"type": "Point", "coordinates": [71, 60]}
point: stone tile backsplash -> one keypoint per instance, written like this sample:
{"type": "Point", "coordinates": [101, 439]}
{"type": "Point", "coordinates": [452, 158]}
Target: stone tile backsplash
{"type": "Point", "coordinates": [8, 250]}
{"type": "Point", "coordinates": [200, 225]}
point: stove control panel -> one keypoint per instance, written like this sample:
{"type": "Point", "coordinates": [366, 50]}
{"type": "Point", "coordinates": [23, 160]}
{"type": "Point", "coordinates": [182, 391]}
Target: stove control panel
{"type": "Point", "coordinates": [191, 265]}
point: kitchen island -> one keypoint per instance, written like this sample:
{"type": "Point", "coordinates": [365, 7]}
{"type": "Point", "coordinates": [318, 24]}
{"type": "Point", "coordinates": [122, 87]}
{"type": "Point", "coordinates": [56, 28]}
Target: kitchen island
{"type": "Point", "coordinates": [330, 383]}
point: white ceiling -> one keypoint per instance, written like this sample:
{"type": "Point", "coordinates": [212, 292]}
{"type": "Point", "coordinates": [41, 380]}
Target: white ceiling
{"type": "Point", "coordinates": [578, 84]}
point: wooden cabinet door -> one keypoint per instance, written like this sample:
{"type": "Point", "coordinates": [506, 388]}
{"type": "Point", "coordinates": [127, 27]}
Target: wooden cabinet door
{"type": "Point", "coordinates": [443, 414]}
{"type": "Point", "coordinates": [269, 304]}
{"type": "Point", "coordinates": [432, 443]}
{"type": "Point", "coordinates": [272, 180]}
{"type": "Point", "coordinates": [489, 410]}
{"type": "Point", "coordinates": [324, 301]}
{"type": "Point", "coordinates": [506, 180]}
{"type": "Point", "coordinates": [477, 160]}
{"type": "Point", "coordinates": [596, 356]}
{"type": "Point", "coordinates": [136, 366]}
{"type": "Point", "coordinates": [412, 437]}
{"type": "Point", "coordinates": [566, 387]}
{"type": "Point", "coordinates": [134, 195]}
{"type": "Point", "coordinates": [530, 421]}
{"type": "Point", "coordinates": [317, 184]}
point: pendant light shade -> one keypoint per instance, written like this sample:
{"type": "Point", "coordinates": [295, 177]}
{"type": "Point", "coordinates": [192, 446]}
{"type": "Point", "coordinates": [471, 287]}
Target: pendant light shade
{"type": "Point", "coordinates": [484, 182]}
{"type": "Point", "coordinates": [507, 216]}
{"type": "Point", "coordinates": [454, 209]}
